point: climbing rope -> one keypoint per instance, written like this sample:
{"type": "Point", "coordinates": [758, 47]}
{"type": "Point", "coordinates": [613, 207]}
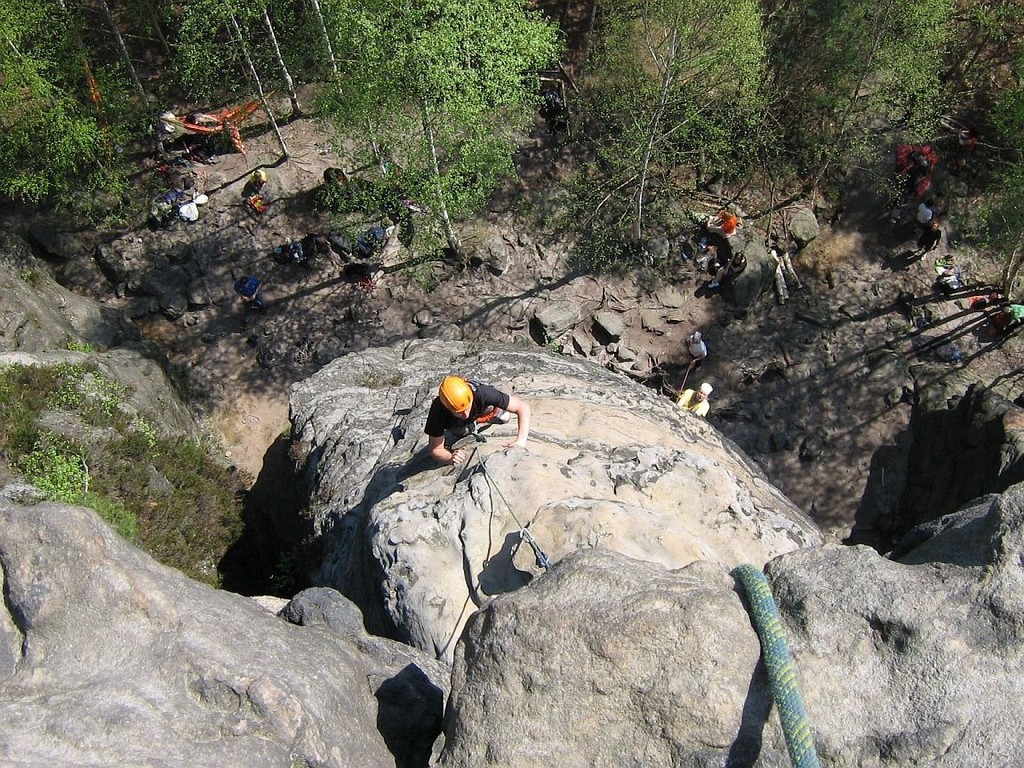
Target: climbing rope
{"type": "Point", "coordinates": [779, 662]}
{"type": "Point", "coordinates": [524, 531]}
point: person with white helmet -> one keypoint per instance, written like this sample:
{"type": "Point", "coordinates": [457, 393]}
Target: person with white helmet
{"type": "Point", "coordinates": [696, 401]}
{"type": "Point", "coordinates": [460, 405]}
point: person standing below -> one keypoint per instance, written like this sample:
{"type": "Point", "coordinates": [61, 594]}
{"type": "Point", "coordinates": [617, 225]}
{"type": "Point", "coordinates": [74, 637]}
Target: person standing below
{"type": "Point", "coordinates": [461, 404]}
{"type": "Point", "coordinates": [926, 213]}
{"type": "Point", "coordinates": [930, 237]}
{"type": "Point", "coordinates": [696, 401]}
{"type": "Point", "coordinates": [251, 290]}
{"type": "Point", "coordinates": [697, 348]}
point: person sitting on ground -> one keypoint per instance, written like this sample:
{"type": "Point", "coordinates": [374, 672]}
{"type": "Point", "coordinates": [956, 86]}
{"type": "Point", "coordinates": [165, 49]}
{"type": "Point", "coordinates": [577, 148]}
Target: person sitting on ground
{"type": "Point", "coordinates": [724, 223]}
{"type": "Point", "coordinates": [254, 183]}
{"type": "Point", "coordinates": [1008, 318]}
{"type": "Point", "coordinates": [696, 401]}
{"type": "Point", "coordinates": [461, 404]}
{"type": "Point", "coordinates": [949, 277]}
{"type": "Point", "coordinates": [697, 348]}
{"type": "Point", "coordinates": [254, 191]}
{"type": "Point", "coordinates": [729, 271]}
{"type": "Point", "coordinates": [250, 289]}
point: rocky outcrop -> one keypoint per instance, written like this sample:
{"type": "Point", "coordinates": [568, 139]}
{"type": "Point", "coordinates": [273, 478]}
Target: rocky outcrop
{"type": "Point", "coordinates": [610, 465]}
{"type": "Point", "coordinates": [42, 323]}
{"type": "Point", "coordinates": [609, 661]}
{"type": "Point", "coordinates": [963, 444]}
{"type": "Point", "coordinates": [109, 658]}
{"type": "Point", "coordinates": [36, 313]}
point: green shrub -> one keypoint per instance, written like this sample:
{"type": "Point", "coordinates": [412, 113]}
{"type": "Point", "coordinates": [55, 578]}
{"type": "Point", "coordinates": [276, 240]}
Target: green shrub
{"type": "Point", "coordinates": [78, 346]}
{"type": "Point", "coordinates": [115, 514]}
{"type": "Point", "coordinates": [57, 469]}
{"type": "Point", "coordinates": [188, 522]}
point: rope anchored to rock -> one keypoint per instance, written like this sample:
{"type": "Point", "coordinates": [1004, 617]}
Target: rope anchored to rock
{"type": "Point", "coordinates": [524, 530]}
{"type": "Point", "coordinates": [779, 662]}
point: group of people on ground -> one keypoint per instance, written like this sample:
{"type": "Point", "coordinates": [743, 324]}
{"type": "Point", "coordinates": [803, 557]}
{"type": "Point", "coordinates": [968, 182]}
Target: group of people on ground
{"type": "Point", "coordinates": [916, 165]}
{"type": "Point", "coordinates": [705, 253]}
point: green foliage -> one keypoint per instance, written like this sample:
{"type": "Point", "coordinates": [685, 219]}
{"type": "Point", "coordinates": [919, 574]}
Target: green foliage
{"type": "Point", "coordinates": [56, 468]}
{"type": "Point", "coordinates": [206, 60]}
{"type": "Point", "coordinates": [445, 85]}
{"type": "Point", "coordinates": [83, 390]}
{"type": "Point", "coordinates": [117, 515]}
{"type": "Point", "coordinates": [54, 145]}
{"type": "Point", "coordinates": [33, 277]}
{"type": "Point", "coordinates": [186, 504]}
{"type": "Point", "coordinates": [78, 346]}
{"type": "Point", "coordinates": [668, 99]}
{"type": "Point", "coordinates": [844, 74]}
{"type": "Point", "coordinates": [168, 493]}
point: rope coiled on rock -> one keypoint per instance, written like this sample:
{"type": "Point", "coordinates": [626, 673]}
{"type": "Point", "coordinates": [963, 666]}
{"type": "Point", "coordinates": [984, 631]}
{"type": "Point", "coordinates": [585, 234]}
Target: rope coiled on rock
{"type": "Point", "coordinates": [779, 662]}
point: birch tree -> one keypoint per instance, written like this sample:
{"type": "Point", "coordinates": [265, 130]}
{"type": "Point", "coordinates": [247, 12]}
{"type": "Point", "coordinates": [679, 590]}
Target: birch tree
{"type": "Point", "coordinates": [448, 85]}
{"type": "Point", "coordinates": [676, 86]}
{"type": "Point", "coordinates": [52, 146]}
{"type": "Point", "coordinates": [844, 73]}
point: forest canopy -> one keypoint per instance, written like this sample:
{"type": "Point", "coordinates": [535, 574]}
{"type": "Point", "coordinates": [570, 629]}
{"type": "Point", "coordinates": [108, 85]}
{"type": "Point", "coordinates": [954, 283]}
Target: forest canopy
{"type": "Point", "coordinates": [440, 93]}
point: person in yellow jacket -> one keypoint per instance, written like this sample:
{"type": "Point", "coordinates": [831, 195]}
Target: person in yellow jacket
{"type": "Point", "coordinates": [696, 401]}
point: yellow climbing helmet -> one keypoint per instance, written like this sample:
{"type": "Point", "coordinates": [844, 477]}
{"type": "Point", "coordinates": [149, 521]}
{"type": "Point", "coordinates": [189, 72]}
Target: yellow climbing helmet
{"type": "Point", "coordinates": [455, 393]}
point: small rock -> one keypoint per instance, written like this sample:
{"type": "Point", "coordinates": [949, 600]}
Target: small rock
{"type": "Point", "coordinates": [422, 319]}
{"type": "Point", "coordinates": [625, 354]}
{"type": "Point", "coordinates": [670, 297]}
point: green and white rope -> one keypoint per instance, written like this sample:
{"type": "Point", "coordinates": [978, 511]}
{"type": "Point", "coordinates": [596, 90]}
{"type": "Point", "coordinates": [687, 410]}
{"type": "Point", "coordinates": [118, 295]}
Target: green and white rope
{"type": "Point", "coordinates": [779, 662]}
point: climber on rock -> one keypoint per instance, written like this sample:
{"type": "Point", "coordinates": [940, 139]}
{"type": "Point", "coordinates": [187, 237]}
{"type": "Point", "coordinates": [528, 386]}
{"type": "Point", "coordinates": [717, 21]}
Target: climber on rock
{"type": "Point", "coordinates": [462, 404]}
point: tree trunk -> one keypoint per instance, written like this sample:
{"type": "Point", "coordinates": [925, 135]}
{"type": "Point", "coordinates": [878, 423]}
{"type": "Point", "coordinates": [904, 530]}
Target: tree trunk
{"type": "Point", "coordinates": [668, 76]}
{"type": "Point", "coordinates": [124, 49]}
{"type": "Point", "coordinates": [1011, 270]}
{"type": "Point", "coordinates": [154, 17]}
{"type": "Point", "coordinates": [289, 83]}
{"type": "Point", "coordinates": [327, 38]}
{"type": "Point", "coordinates": [446, 223]}
{"type": "Point", "coordinates": [256, 81]}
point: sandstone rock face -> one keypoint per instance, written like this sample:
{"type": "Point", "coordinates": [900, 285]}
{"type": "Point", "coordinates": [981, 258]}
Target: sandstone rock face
{"type": "Point", "coordinates": [109, 658]}
{"type": "Point", "coordinates": [609, 661]}
{"type": "Point", "coordinates": [609, 465]}
{"type": "Point", "coordinates": [963, 444]}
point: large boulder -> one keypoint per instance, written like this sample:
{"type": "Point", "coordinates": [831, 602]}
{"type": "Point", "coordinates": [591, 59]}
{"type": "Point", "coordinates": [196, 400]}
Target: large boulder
{"type": "Point", "coordinates": [44, 324]}
{"type": "Point", "coordinates": [963, 444]}
{"type": "Point", "coordinates": [609, 661]}
{"type": "Point", "coordinates": [36, 313]}
{"type": "Point", "coordinates": [109, 658]}
{"type": "Point", "coordinates": [803, 225]}
{"type": "Point", "coordinates": [609, 465]}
